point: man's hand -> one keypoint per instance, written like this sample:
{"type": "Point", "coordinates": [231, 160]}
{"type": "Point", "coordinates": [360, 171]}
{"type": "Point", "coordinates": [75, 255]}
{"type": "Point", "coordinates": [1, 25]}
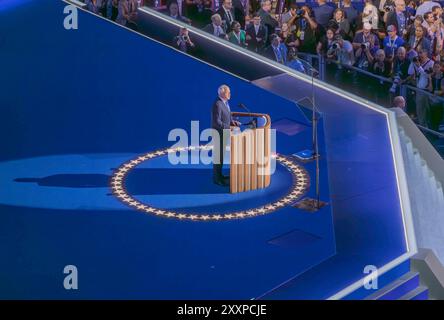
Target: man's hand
{"type": "Point", "coordinates": [236, 123]}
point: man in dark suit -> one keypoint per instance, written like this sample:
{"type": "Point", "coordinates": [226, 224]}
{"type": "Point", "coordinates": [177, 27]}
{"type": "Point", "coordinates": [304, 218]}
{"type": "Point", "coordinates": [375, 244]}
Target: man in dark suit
{"type": "Point", "coordinates": [277, 51]}
{"type": "Point", "coordinates": [200, 14]}
{"type": "Point", "coordinates": [240, 11]}
{"type": "Point", "coordinates": [216, 27]}
{"type": "Point", "coordinates": [399, 17]}
{"type": "Point", "coordinates": [221, 121]}
{"type": "Point", "coordinates": [264, 12]}
{"type": "Point", "coordinates": [256, 35]}
{"type": "Point", "coordinates": [226, 12]}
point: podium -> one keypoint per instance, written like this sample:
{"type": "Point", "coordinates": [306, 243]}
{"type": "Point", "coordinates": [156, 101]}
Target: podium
{"type": "Point", "coordinates": [250, 158]}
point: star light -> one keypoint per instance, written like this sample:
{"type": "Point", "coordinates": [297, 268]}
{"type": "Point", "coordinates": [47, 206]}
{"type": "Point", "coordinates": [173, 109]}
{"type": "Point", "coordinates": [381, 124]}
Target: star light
{"type": "Point", "coordinates": [300, 184]}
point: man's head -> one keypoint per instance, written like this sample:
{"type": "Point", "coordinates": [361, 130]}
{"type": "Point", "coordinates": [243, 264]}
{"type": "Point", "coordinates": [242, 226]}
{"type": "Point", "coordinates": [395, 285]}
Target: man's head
{"type": "Point", "coordinates": [284, 27]}
{"type": "Point", "coordinates": [256, 20]}
{"type": "Point", "coordinates": [292, 53]}
{"type": "Point", "coordinates": [293, 9]}
{"type": "Point", "coordinates": [428, 17]}
{"type": "Point", "coordinates": [216, 19]}
{"type": "Point", "coordinates": [391, 30]}
{"type": "Point", "coordinates": [346, 2]}
{"type": "Point", "coordinates": [399, 102]}
{"type": "Point", "coordinates": [224, 92]}
{"type": "Point", "coordinates": [275, 40]}
{"type": "Point", "coordinates": [437, 11]}
{"type": "Point", "coordinates": [367, 28]}
{"type": "Point", "coordinates": [399, 6]}
{"type": "Point", "coordinates": [380, 55]}
{"type": "Point", "coordinates": [437, 67]}
{"type": "Point", "coordinates": [401, 53]}
{"type": "Point", "coordinates": [418, 21]}
{"type": "Point", "coordinates": [228, 4]}
{"type": "Point", "coordinates": [339, 39]}
{"type": "Point", "coordinates": [266, 5]}
{"type": "Point", "coordinates": [423, 54]}
{"type": "Point", "coordinates": [320, 2]}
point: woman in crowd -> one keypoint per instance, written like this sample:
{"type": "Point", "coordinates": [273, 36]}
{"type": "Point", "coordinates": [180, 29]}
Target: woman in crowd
{"type": "Point", "coordinates": [342, 22]}
{"type": "Point", "coordinates": [237, 35]}
{"type": "Point", "coordinates": [370, 14]}
{"type": "Point", "coordinates": [418, 41]}
{"type": "Point", "coordinates": [288, 37]}
{"type": "Point", "coordinates": [326, 41]}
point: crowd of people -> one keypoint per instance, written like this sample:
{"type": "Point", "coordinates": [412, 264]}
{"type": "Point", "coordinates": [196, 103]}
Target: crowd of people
{"type": "Point", "coordinates": [389, 38]}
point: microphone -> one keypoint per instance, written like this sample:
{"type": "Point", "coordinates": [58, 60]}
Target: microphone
{"type": "Point", "coordinates": [241, 105]}
{"type": "Point", "coordinates": [253, 122]}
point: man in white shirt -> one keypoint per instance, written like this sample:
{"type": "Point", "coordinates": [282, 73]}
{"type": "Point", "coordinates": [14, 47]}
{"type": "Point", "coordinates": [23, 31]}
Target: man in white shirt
{"type": "Point", "coordinates": [421, 69]}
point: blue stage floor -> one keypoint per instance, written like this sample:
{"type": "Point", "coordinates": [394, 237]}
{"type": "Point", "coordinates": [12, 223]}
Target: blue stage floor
{"type": "Point", "coordinates": [77, 104]}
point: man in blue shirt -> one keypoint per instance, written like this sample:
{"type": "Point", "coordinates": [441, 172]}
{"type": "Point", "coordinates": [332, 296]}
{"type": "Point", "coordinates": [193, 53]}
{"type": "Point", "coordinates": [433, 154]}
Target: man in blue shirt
{"type": "Point", "coordinates": [391, 42]}
{"type": "Point", "coordinates": [350, 13]}
{"type": "Point", "coordinates": [323, 13]}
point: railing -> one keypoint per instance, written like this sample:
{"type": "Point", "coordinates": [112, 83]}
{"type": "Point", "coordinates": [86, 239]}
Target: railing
{"type": "Point", "coordinates": [349, 78]}
{"type": "Point", "coordinates": [363, 83]}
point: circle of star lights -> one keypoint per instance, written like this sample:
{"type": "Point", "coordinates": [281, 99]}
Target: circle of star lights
{"type": "Point", "coordinates": [299, 187]}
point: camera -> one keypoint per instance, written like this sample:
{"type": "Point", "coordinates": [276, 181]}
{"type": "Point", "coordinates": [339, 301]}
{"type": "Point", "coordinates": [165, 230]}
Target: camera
{"type": "Point", "coordinates": [335, 46]}
{"type": "Point", "coordinates": [396, 81]}
{"type": "Point", "coordinates": [388, 8]}
{"type": "Point", "coordinates": [365, 45]}
{"type": "Point", "coordinates": [300, 13]}
{"type": "Point", "coordinates": [415, 59]}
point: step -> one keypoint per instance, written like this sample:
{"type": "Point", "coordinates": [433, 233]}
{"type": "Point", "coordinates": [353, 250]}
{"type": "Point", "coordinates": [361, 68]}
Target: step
{"type": "Point", "coordinates": [397, 288]}
{"type": "Point", "coordinates": [420, 293]}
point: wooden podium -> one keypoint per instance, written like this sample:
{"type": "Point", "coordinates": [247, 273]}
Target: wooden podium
{"type": "Point", "coordinates": [250, 158]}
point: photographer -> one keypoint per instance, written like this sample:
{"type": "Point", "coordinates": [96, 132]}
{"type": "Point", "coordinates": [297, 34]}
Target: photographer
{"type": "Point", "coordinates": [381, 66]}
{"type": "Point", "coordinates": [365, 43]}
{"type": "Point", "coordinates": [183, 41]}
{"type": "Point", "coordinates": [289, 15]}
{"type": "Point", "coordinates": [307, 31]}
{"type": "Point", "coordinates": [420, 70]}
{"type": "Point", "coordinates": [342, 51]}
{"type": "Point", "coordinates": [400, 69]}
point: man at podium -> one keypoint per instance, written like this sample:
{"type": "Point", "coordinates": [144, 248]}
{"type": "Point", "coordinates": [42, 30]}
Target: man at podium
{"type": "Point", "coordinates": [221, 119]}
